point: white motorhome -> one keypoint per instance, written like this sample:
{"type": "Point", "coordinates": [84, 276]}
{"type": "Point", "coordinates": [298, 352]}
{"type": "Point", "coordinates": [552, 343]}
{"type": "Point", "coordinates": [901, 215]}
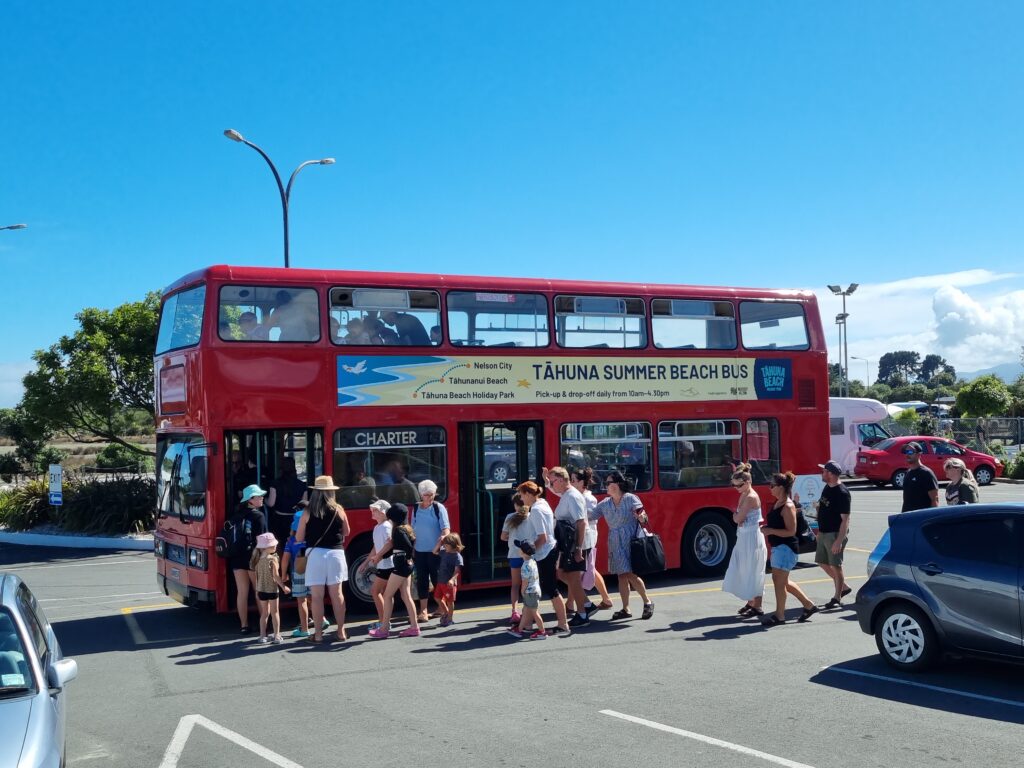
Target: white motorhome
{"type": "Point", "coordinates": [854, 424]}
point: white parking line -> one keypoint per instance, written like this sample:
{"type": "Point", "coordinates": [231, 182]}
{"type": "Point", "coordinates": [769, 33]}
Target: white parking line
{"type": "Point", "coordinates": [184, 730]}
{"type": "Point", "coordinates": [707, 740]}
{"type": "Point", "coordinates": [139, 560]}
{"type": "Point", "coordinates": [925, 686]}
{"type": "Point", "coordinates": [96, 597]}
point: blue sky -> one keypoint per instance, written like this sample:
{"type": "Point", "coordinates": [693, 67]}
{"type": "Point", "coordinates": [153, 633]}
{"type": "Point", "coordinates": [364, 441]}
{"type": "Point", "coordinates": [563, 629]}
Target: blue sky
{"type": "Point", "coordinates": [763, 144]}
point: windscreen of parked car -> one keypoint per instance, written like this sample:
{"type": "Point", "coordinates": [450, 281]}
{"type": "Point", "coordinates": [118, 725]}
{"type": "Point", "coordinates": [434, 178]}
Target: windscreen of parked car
{"type": "Point", "coordinates": [15, 675]}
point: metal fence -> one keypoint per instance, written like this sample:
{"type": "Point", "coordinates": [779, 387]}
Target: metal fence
{"type": "Point", "coordinates": [996, 434]}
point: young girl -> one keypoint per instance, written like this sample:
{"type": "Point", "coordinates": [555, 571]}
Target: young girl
{"type": "Point", "coordinates": [448, 577]}
{"type": "Point", "coordinates": [515, 557]}
{"type": "Point", "coordinates": [268, 578]}
{"type": "Point", "coordinates": [402, 541]}
{"type": "Point", "coordinates": [293, 550]}
{"type": "Point", "coordinates": [380, 557]}
{"type": "Point", "coordinates": [530, 578]}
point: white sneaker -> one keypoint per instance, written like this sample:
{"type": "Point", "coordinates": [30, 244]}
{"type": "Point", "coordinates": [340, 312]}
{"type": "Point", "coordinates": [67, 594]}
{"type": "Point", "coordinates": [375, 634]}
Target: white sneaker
{"type": "Point", "coordinates": [278, 640]}
{"type": "Point", "coordinates": [264, 641]}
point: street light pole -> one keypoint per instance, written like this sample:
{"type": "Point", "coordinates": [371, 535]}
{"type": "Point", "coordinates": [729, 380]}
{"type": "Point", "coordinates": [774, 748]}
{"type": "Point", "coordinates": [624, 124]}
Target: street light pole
{"type": "Point", "coordinates": [867, 369]}
{"type": "Point", "coordinates": [286, 192]}
{"type": "Point", "coordinates": [15, 226]}
{"type": "Point", "coordinates": [844, 389]}
{"type": "Point", "coordinates": [838, 291]}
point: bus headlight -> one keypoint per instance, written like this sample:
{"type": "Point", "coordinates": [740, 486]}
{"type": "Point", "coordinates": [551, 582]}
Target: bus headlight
{"type": "Point", "coordinates": [197, 558]}
{"type": "Point", "coordinates": [158, 547]}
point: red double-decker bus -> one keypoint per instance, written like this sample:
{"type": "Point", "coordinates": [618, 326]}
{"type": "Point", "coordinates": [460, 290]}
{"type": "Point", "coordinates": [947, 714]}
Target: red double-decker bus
{"type": "Point", "coordinates": [381, 380]}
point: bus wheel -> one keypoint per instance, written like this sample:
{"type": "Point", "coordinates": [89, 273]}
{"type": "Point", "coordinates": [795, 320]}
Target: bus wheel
{"type": "Point", "coordinates": [357, 587]}
{"type": "Point", "coordinates": [707, 542]}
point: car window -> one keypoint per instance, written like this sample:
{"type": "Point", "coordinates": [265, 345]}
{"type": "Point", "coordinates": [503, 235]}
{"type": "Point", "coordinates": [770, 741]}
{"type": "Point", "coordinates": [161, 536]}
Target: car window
{"type": "Point", "coordinates": [15, 675]}
{"type": "Point", "coordinates": [885, 445]}
{"type": "Point", "coordinates": [947, 449]}
{"type": "Point", "coordinates": [29, 610]}
{"type": "Point", "coordinates": [980, 540]}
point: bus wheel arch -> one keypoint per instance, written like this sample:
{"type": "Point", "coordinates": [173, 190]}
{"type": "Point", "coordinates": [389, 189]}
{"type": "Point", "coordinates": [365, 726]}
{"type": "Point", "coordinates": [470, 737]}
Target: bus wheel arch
{"type": "Point", "coordinates": [707, 542]}
{"type": "Point", "coordinates": [357, 588]}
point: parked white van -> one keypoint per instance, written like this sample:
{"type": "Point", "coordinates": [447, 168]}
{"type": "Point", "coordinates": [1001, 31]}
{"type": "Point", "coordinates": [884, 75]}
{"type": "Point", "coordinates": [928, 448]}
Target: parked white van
{"type": "Point", "coordinates": [854, 424]}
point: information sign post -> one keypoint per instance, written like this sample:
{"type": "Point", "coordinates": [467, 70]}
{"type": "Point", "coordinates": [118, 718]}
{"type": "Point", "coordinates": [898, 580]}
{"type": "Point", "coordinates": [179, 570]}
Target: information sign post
{"type": "Point", "coordinates": [56, 488]}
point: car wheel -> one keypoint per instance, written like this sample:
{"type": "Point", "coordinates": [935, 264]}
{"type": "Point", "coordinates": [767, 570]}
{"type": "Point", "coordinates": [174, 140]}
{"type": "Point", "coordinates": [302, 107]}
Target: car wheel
{"type": "Point", "coordinates": [898, 477]}
{"type": "Point", "coordinates": [707, 542]}
{"type": "Point", "coordinates": [984, 474]}
{"type": "Point", "coordinates": [905, 638]}
{"type": "Point", "coordinates": [500, 472]}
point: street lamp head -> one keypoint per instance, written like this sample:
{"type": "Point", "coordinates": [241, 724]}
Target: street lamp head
{"type": "Point", "coordinates": [326, 161]}
{"type": "Point", "coordinates": [842, 316]}
{"type": "Point", "coordinates": [835, 289]}
{"type": "Point", "coordinates": [853, 287]}
{"type": "Point", "coordinates": [15, 226]}
{"type": "Point", "coordinates": [234, 135]}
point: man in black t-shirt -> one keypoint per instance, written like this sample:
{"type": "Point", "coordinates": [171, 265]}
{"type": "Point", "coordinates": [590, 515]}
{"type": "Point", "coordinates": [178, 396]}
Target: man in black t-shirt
{"type": "Point", "coordinates": [833, 529]}
{"type": "Point", "coordinates": [920, 487]}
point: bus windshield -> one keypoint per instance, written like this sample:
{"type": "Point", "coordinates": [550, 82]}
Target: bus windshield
{"type": "Point", "coordinates": [181, 477]}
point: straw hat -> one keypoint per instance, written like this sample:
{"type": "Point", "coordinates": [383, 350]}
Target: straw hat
{"type": "Point", "coordinates": [324, 483]}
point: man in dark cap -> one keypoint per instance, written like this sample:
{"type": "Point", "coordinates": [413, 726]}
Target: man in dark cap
{"type": "Point", "coordinates": [833, 528]}
{"type": "Point", "coordinates": [920, 487]}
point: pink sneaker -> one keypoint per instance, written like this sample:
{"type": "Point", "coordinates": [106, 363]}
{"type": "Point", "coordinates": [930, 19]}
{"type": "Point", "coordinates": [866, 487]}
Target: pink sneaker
{"type": "Point", "coordinates": [410, 632]}
{"type": "Point", "coordinates": [380, 634]}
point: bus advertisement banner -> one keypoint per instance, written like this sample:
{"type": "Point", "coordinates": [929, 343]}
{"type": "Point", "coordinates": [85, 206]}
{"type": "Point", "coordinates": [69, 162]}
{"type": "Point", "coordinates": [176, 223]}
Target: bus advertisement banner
{"type": "Point", "coordinates": [394, 380]}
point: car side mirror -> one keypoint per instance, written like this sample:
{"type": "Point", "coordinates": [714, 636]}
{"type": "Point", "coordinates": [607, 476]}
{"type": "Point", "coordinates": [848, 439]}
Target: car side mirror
{"type": "Point", "coordinates": [60, 673]}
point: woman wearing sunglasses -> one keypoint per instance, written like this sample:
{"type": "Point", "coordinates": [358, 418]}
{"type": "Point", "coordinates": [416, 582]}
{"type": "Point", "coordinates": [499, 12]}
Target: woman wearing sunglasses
{"type": "Point", "coordinates": [623, 512]}
{"type": "Point", "coordinates": [962, 488]}
{"type": "Point", "coordinates": [745, 575]}
{"type": "Point", "coordinates": [780, 530]}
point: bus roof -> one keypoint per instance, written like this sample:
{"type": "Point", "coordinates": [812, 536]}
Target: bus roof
{"type": "Point", "coordinates": [281, 275]}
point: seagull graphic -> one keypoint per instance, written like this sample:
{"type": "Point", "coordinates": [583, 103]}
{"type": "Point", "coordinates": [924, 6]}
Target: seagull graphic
{"type": "Point", "coordinates": [356, 369]}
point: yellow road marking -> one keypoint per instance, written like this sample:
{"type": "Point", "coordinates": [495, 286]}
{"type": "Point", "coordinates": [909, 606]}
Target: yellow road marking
{"type": "Point", "coordinates": [854, 549]}
{"type": "Point", "coordinates": [134, 608]}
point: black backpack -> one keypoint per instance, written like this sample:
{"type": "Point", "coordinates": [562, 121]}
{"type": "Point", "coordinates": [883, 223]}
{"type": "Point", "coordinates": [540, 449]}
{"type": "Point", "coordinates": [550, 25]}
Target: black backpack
{"type": "Point", "coordinates": [236, 538]}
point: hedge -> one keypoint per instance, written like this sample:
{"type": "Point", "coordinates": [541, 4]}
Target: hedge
{"type": "Point", "coordinates": [119, 505]}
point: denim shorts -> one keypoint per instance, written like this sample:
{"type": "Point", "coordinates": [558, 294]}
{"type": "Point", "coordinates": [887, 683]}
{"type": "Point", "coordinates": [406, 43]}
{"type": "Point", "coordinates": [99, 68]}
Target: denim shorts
{"type": "Point", "coordinates": [783, 558]}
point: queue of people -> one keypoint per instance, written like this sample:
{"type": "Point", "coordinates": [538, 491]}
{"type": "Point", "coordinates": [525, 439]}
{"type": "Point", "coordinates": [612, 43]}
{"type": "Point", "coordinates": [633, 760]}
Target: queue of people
{"type": "Point", "coordinates": [546, 548]}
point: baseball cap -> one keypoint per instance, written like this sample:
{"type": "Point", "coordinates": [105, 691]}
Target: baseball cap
{"type": "Point", "coordinates": [524, 546]}
{"type": "Point", "coordinates": [915, 447]}
{"type": "Point", "coordinates": [832, 466]}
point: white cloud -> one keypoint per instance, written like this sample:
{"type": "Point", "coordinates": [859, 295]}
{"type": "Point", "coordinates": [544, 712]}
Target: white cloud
{"type": "Point", "coordinates": [11, 375]}
{"type": "Point", "coordinates": [932, 314]}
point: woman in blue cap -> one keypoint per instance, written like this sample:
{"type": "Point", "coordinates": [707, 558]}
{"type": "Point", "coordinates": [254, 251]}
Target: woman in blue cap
{"type": "Point", "coordinates": [249, 521]}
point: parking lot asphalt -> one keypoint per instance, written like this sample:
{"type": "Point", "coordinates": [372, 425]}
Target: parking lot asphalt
{"type": "Point", "coordinates": [164, 686]}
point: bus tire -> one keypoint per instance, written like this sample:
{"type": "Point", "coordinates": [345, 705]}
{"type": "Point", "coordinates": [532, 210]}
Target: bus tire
{"type": "Point", "coordinates": [357, 588]}
{"type": "Point", "coordinates": [707, 543]}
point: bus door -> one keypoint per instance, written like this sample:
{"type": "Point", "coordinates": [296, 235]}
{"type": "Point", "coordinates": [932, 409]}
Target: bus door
{"type": "Point", "coordinates": [494, 457]}
{"type": "Point", "coordinates": [265, 455]}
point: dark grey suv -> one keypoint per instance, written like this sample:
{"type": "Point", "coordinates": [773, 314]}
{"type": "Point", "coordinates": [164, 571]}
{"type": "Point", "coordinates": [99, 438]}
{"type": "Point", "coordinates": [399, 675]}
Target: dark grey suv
{"type": "Point", "coordinates": [947, 579]}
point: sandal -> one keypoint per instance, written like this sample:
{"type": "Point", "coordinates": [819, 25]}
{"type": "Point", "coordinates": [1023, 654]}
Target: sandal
{"type": "Point", "coordinates": [808, 612]}
{"type": "Point", "coordinates": [746, 610]}
{"type": "Point", "coordinates": [846, 591]}
{"type": "Point", "coordinates": [623, 614]}
{"type": "Point", "coordinates": [833, 603]}
{"type": "Point", "coordinates": [604, 605]}
{"type": "Point", "coordinates": [648, 611]}
{"type": "Point", "coordinates": [772, 621]}
{"type": "Point", "coordinates": [755, 612]}
{"type": "Point", "coordinates": [312, 639]}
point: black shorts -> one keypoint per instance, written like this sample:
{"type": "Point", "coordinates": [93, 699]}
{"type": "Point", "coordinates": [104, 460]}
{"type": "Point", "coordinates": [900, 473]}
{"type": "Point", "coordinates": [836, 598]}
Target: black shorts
{"type": "Point", "coordinates": [384, 573]}
{"type": "Point", "coordinates": [403, 568]}
{"type": "Point", "coordinates": [268, 595]}
{"type": "Point", "coordinates": [568, 563]}
{"type": "Point", "coordinates": [548, 582]}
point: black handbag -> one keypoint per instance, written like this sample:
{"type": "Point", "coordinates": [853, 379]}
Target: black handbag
{"type": "Point", "coordinates": [646, 553]}
{"type": "Point", "coordinates": [806, 541]}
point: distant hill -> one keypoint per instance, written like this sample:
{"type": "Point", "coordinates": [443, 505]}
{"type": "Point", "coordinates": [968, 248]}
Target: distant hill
{"type": "Point", "coordinates": [1008, 372]}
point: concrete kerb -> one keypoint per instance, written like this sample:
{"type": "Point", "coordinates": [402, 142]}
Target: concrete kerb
{"type": "Point", "coordinates": [140, 543]}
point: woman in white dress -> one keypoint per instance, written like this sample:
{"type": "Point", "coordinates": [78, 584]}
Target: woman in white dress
{"type": "Point", "coordinates": [745, 575]}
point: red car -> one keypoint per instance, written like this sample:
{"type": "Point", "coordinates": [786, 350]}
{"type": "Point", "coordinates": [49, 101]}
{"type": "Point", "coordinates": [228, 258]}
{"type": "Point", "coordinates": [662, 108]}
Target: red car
{"type": "Point", "coordinates": [885, 463]}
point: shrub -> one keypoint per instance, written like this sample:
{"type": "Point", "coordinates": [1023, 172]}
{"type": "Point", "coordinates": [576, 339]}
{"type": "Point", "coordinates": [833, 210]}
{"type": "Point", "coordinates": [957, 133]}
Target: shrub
{"type": "Point", "coordinates": [49, 455]}
{"type": "Point", "coordinates": [115, 506]}
{"type": "Point", "coordinates": [117, 456]}
{"type": "Point", "coordinates": [9, 466]}
{"type": "Point", "coordinates": [1015, 469]}
{"type": "Point", "coordinates": [27, 506]}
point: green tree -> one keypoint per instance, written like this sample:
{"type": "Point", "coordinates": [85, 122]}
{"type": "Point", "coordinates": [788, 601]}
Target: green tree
{"type": "Point", "coordinates": [857, 389]}
{"type": "Point", "coordinates": [985, 396]}
{"type": "Point", "coordinates": [28, 433]}
{"type": "Point", "coordinates": [881, 392]}
{"type": "Point", "coordinates": [835, 379]}
{"type": "Point", "coordinates": [934, 365]}
{"type": "Point", "coordinates": [898, 368]}
{"type": "Point", "coordinates": [909, 392]}
{"type": "Point", "coordinates": [87, 385]}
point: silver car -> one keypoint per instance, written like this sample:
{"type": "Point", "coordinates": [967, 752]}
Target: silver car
{"type": "Point", "coordinates": [33, 673]}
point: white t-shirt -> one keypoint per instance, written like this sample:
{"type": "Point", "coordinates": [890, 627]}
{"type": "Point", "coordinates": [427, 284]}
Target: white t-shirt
{"type": "Point", "coordinates": [531, 577]}
{"type": "Point", "coordinates": [381, 537]}
{"type": "Point", "coordinates": [590, 537]}
{"type": "Point", "coordinates": [541, 520]}
{"type": "Point", "coordinates": [515, 534]}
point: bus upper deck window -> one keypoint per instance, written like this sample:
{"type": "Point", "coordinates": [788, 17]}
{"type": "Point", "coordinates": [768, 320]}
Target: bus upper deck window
{"type": "Point", "coordinates": [268, 313]}
{"type": "Point", "coordinates": [181, 320]}
{"type": "Point", "coordinates": [773, 325]}
{"type": "Point", "coordinates": [492, 319]}
{"type": "Point", "coordinates": [600, 322]}
{"type": "Point", "coordinates": [693, 324]}
{"type": "Point", "coordinates": [385, 316]}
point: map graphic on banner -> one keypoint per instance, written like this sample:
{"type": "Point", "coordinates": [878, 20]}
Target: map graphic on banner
{"type": "Point", "coordinates": [389, 380]}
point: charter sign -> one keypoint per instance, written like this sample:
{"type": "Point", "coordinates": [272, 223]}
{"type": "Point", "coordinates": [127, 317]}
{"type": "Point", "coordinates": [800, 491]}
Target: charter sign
{"type": "Point", "coordinates": [395, 380]}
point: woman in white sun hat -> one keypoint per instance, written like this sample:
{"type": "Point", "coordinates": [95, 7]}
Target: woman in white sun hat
{"type": "Point", "coordinates": [324, 526]}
